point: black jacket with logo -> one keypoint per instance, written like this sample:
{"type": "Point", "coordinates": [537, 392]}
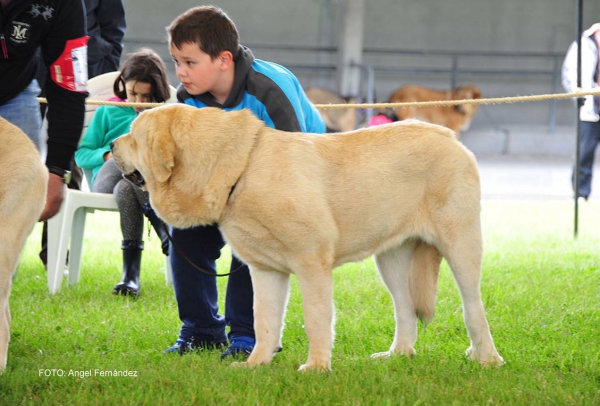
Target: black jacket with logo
{"type": "Point", "coordinates": [30, 29]}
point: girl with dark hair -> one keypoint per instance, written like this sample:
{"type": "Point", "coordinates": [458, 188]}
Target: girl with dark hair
{"type": "Point", "coordinates": [143, 79]}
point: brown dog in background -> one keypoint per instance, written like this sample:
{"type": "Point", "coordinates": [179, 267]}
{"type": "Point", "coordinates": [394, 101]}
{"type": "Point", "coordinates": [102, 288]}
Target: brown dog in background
{"type": "Point", "coordinates": [457, 118]}
{"type": "Point", "coordinates": [336, 120]}
{"type": "Point", "coordinates": [22, 198]}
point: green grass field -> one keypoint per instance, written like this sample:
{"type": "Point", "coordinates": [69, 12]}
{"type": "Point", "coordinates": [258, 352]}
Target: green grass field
{"type": "Point", "coordinates": [541, 288]}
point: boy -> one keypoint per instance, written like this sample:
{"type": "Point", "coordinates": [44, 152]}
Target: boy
{"type": "Point", "coordinates": [215, 70]}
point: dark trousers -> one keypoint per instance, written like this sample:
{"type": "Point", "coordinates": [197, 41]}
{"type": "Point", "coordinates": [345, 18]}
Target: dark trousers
{"type": "Point", "coordinates": [197, 294]}
{"type": "Point", "coordinates": [75, 183]}
{"type": "Point", "coordinates": [590, 136]}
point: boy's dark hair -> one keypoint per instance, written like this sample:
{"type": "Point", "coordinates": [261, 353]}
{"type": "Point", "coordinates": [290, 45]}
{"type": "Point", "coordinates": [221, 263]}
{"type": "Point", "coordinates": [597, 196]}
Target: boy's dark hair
{"type": "Point", "coordinates": [144, 65]}
{"type": "Point", "coordinates": [209, 27]}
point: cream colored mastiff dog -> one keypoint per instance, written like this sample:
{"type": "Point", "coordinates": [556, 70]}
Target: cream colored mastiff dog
{"type": "Point", "coordinates": [22, 198]}
{"type": "Point", "coordinates": [303, 204]}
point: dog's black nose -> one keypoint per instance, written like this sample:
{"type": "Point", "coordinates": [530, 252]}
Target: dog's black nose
{"type": "Point", "coordinates": [112, 144]}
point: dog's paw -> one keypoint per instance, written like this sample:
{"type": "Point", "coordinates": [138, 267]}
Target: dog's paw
{"type": "Point", "coordinates": [408, 351]}
{"type": "Point", "coordinates": [381, 355]}
{"type": "Point", "coordinates": [314, 368]}
{"type": "Point", "coordinates": [491, 359]}
{"type": "Point", "coordinates": [240, 364]}
{"type": "Point", "coordinates": [495, 361]}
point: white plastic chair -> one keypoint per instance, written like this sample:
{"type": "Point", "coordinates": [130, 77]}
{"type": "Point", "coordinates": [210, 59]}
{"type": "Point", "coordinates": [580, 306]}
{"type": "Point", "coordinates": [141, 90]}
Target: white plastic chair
{"type": "Point", "coordinates": [67, 226]}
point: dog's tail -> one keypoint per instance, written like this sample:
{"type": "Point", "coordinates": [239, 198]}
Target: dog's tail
{"type": "Point", "coordinates": [424, 271]}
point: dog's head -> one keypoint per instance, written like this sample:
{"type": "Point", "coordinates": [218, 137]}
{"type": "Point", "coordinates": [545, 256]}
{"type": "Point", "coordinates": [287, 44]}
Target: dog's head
{"type": "Point", "coordinates": [466, 93]}
{"type": "Point", "coordinates": [187, 159]}
{"type": "Point", "coordinates": [146, 155]}
{"type": "Point", "coordinates": [467, 110]}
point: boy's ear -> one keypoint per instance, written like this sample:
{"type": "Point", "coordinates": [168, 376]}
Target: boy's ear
{"type": "Point", "coordinates": [225, 60]}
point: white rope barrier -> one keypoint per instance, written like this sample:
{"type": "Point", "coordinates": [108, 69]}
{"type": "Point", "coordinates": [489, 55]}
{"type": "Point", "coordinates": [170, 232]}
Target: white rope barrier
{"type": "Point", "coordinates": [494, 100]}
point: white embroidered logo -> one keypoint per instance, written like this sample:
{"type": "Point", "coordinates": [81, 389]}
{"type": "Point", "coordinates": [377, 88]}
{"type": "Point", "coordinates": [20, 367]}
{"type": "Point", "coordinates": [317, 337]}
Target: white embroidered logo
{"type": "Point", "coordinates": [20, 32]}
{"type": "Point", "coordinates": [37, 10]}
{"type": "Point", "coordinates": [47, 13]}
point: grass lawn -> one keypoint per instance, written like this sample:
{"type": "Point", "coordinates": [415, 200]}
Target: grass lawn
{"type": "Point", "coordinates": [541, 289]}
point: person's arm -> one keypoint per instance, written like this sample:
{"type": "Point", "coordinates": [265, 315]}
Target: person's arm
{"type": "Point", "coordinates": [63, 51]}
{"type": "Point", "coordinates": [314, 120]}
{"type": "Point", "coordinates": [111, 19]}
{"type": "Point", "coordinates": [295, 112]}
{"type": "Point", "coordinates": [569, 68]}
{"type": "Point", "coordinates": [286, 106]}
{"type": "Point", "coordinates": [588, 110]}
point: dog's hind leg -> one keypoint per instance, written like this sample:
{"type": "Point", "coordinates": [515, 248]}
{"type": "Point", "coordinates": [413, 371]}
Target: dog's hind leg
{"type": "Point", "coordinates": [271, 291]}
{"type": "Point", "coordinates": [394, 267]}
{"type": "Point", "coordinates": [464, 256]}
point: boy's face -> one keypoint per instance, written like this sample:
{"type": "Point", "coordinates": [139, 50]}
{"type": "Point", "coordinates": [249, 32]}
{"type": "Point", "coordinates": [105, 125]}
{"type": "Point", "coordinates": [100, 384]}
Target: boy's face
{"type": "Point", "coordinates": [196, 70]}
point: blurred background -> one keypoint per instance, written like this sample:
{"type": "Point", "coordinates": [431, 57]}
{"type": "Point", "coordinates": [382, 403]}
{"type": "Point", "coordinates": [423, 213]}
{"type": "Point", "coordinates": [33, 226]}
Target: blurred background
{"type": "Point", "coordinates": [366, 49]}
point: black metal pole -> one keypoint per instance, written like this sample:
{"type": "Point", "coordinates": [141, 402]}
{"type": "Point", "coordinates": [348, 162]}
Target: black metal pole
{"type": "Point", "coordinates": [577, 110]}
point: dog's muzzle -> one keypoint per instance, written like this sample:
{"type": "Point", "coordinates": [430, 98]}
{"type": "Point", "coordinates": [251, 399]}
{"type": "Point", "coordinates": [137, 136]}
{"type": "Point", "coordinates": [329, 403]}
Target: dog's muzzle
{"type": "Point", "coordinates": [136, 178]}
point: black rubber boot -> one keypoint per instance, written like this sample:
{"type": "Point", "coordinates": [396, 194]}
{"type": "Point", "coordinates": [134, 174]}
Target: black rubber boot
{"type": "Point", "coordinates": [132, 258]}
{"type": "Point", "coordinates": [158, 225]}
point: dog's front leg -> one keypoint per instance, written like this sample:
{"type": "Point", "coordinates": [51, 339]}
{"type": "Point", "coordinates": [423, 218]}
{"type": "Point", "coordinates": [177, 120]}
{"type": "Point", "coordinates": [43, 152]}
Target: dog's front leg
{"type": "Point", "coordinates": [316, 287]}
{"type": "Point", "coordinates": [271, 290]}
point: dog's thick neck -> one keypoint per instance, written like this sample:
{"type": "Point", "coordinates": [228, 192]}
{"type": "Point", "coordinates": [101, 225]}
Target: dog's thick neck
{"type": "Point", "coordinates": [205, 173]}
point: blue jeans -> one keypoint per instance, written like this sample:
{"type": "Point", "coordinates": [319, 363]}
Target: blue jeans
{"type": "Point", "coordinates": [590, 136]}
{"type": "Point", "coordinates": [23, 110]}
{"type": "Point", "coordinates": [197, 294]}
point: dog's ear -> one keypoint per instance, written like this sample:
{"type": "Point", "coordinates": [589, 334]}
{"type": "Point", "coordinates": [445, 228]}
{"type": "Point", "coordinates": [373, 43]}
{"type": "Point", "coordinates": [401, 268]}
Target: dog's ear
{"type": "Point", "coordinates": [476, 93]}
{"type": "Point", "coordinates": [162, 155]}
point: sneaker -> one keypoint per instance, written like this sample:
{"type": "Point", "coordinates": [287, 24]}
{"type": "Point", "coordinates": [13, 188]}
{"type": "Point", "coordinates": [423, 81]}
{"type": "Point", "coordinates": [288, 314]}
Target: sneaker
{"type": "Point", "coordinates": [240, 348]}
{"type": "Point", "coordinates": [183, 347]}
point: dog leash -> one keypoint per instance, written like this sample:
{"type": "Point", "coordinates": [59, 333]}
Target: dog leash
{"type": "Point", "coordinates": [189, 261]}
{"type": "Point", "coordinates": [139, 181]}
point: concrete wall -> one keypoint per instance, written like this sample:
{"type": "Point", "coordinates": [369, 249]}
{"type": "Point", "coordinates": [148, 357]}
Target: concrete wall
{"type": "Point", "coordinates": [494, 30]}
